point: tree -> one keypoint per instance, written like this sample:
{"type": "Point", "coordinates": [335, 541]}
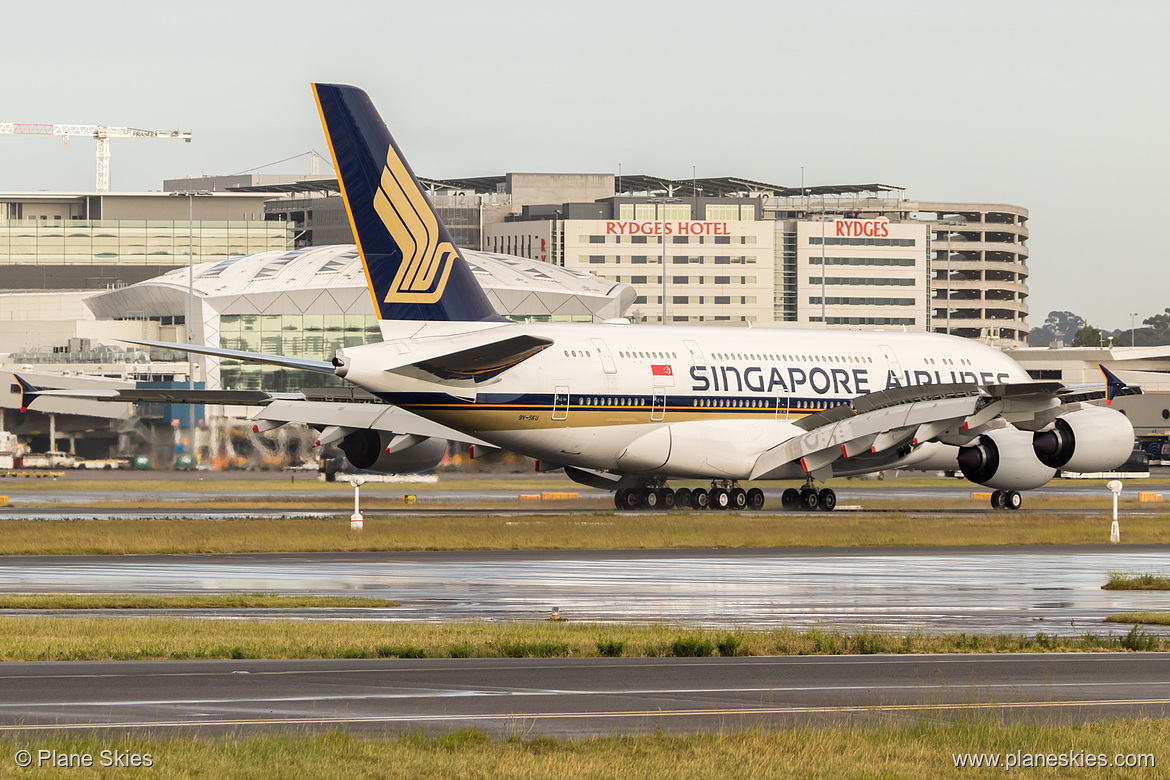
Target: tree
{"type": "Point", "coordinates": [1040, 337]}
{"type": "Point", "coordinates": [1064, 323]}
{"type": "Point", "coordinates": [1160, 325]}
{"type": "Point", "coordinates": [1087, 336]}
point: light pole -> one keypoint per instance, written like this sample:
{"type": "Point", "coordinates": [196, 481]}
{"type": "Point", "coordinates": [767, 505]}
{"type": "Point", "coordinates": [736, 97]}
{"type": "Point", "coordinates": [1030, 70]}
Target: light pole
{"type": "Point", "coordinates": [190, 316]}
{"type": "Point", "coordinates": [824, 269]}
{"type": "Point", "coordinates": [190, 319]}
{"type": "Point", "coordinates": [663, 239]}
{"type": "Point", "coordinates": [1132, 329]}
{"type": "Point", "coordinates": [948, 292]}
{"type": "Point", "coordinates": [662, 235]}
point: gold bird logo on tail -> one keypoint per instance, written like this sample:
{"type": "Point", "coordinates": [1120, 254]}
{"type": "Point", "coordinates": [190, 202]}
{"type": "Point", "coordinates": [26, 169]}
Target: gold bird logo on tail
{"type": "Point", "coordinates": [426, 262]}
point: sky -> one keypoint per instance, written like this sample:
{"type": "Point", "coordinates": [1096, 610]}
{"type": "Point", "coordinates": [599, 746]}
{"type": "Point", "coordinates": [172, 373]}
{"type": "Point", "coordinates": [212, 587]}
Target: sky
{"type": "Point", "coordinates": [1059, 107]}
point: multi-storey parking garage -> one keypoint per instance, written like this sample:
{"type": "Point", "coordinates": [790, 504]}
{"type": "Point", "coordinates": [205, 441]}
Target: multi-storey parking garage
{"type": "Point", "coordinates": [980, 267]}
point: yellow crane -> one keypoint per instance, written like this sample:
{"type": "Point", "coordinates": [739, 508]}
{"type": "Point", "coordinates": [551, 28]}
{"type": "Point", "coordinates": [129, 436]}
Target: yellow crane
{"type": "Point", "coordinates": [100, 133]}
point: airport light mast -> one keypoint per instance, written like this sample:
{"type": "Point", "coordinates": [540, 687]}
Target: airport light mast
{"type": "Point", "coordinates": [100, 133]}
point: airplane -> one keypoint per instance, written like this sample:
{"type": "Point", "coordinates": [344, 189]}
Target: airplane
{"type": "Point", "coordinates": [628, 408]}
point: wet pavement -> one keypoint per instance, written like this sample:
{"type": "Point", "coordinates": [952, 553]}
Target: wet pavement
{"type": "Point", "coordinates": [1015, 590]}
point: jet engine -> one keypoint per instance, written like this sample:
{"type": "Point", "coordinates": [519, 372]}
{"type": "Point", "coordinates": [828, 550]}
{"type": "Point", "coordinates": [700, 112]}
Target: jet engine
{"type": "Point", "coordinates": [1089, 439]}
{"type": "Point", "coordinates": [392, 453]}
{"type": "Point", "coordinates": [1005, 460]}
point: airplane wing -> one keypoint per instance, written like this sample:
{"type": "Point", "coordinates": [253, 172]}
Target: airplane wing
{"type": "Point", "coordinates": [1112, 388]}
{"type": "Point", "coordinates": [276, 409]}
{"type": "Point", "coordinates": [357, 415]}
{"type": "Point", "coordinates": [882, 427]}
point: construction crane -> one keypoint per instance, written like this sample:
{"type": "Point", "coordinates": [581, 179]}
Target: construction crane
{"type": "Point", "coordinates": [100, 133]}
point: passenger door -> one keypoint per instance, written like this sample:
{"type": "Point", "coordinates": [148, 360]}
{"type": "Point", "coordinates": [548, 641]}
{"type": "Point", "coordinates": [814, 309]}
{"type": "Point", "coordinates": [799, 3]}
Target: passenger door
{"type": "Point", "coordinates": [561, 404]}
{"type": "Point", "coordinates": [658, 410]}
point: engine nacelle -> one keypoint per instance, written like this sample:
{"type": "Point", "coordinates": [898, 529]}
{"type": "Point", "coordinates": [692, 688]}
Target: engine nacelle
{"type": "Point", "coordinates": [1089, 439]}
{"type": "Point", "coordinates": [1004, 459]}
{"type": "Point", "coordinates": [392, 453]}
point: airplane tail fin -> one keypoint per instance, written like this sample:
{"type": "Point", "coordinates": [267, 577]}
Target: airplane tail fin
{"type": "Point", "coordinates": [1113, 385]}
{"type": "Point", "coordinates": [28, 393]}
{"type": "Point", "coordinates": [414, 270]}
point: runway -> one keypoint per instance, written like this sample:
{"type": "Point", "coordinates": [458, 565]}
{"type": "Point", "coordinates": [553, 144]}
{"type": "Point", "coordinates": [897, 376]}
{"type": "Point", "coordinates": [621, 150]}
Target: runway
{"type": "Point", "coordinates": [191, 487]}
{"type": "Point", "coordinates": [575, 697]}
{"type": "Point", "coordinates": [1012, 590]}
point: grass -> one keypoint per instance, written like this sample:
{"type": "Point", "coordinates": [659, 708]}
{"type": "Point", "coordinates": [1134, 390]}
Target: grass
{"type": "Point", "coordinates": [24, 638]}
{"type": "Point", "coordinates": [601, 530]}
{"type": "Point", "coordinates": [1120, 580]}
{"type": "Point", "coordinates": [193, 601]}
{"type": "Point", "coordinates": [868, 750]}
{"type": "Point", "coordinates": [1147, 618]}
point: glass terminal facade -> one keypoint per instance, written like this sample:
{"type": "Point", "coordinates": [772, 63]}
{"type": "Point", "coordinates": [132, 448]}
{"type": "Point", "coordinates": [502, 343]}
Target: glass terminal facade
{"type": "Point", "coordinates": [312, 336]}
{"type": "Point", "coordinates": [137, 242]}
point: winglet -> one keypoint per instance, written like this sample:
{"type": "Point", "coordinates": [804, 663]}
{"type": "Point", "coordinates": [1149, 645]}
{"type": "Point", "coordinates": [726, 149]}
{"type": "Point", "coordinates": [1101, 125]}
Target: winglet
{"type": "Point", "coordinates": [28, 393]}
{"type": "Point", "coordinates": [1112, 384]}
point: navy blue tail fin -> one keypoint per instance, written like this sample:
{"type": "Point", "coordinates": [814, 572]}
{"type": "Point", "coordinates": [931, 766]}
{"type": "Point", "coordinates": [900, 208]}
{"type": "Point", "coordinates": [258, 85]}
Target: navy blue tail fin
{"type": "Point", "coordinates": [1113, 385]}
{"type": "Point", "coordinates": [414, 269]}
{"type": "Point", "coordinates": [28, 393]}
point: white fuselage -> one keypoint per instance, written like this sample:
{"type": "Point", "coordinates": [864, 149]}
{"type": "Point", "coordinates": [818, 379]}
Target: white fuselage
{"type": "Point", "coordinates": [672, 401]}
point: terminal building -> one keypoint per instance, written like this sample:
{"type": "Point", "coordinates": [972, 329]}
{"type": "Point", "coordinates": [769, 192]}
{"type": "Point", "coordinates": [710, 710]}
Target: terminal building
{"type": "Point", "coordinates": [310, 302]}
{"type": "Point", "coordinates": [88, 241]}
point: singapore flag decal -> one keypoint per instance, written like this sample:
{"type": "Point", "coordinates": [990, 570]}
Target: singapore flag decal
{"type": "Point", "coordinates": [660, 370]}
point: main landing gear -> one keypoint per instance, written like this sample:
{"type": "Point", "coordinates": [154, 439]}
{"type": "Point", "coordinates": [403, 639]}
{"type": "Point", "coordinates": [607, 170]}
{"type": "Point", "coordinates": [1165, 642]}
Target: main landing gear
{"type": "Point", "coordinates": [808, 498]}
{"type": "Point", "coordinates": [1006, 499]}
{"type": "Point", "coordinates": [725, 494]}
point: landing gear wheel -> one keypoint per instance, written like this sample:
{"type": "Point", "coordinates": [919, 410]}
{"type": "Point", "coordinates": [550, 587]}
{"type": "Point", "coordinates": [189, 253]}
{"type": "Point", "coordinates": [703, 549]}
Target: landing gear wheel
{"type": "Point", "coordinates": [790, 498]}
{"type": "Point", "coordinates": [755, 499]}
{"type": "Point", "coordinates": [719, 498]}
{"type": "Point", "coordinates": [809, 499]}
{"type": "Point", "coordinates": [1013, 500]}
{"type": "Point", "coordinates": [683, 499]}
{"type": "Point", "coordinates": [651, 499]}
{"type": "Point", "coordinates": [999, 500]}
{"type": "Point", "coordinates": [701, 499]}
{"type": "Point", "coordinates": [738, 498]}
{"type": "Point", "coordinates": [827, 499]}
{"type": "Point", "coordinates": [665, 498]}
{"type": "Point", "coordinates": [627, 499]}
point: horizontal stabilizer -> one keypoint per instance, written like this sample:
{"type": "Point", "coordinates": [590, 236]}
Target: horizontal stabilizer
{"type": "Point", "coordinates": [304, 364]}
{"type": "Point", "coordinates": [478, 363]}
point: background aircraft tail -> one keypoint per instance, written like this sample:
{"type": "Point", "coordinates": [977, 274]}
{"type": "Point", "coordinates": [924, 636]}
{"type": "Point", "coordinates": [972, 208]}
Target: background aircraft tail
{"type": "Point", "coordinates": [414, 270]}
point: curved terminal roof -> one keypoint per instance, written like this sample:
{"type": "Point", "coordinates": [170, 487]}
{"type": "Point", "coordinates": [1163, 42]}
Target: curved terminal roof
{"type": "Point", "coordinates": [331, 280]}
